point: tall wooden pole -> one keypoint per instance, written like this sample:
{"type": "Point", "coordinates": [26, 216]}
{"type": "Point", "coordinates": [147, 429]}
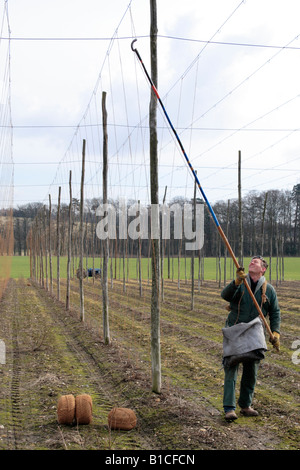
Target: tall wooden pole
{"type": "Point", "coordinates": [46, 246]}
{"type": "Point", "coordinates": [106, 335]}
{"type": "Point", "coordinates": [58, 244]}
{"type": "Point", "coordinates": [263, 225]}
{"type": "Point", "coordinates": [69, 245]}
{"type": "Point", "coordinates": [140, 253]}
{"type": "Point", "coordinates": [155, 296]}
{"type": "Point", "coordinates": [81, 293]}
{"type": "Point", "coordinates": [193, 252]}
{"type": "Point", "coordinates": [227, 236]}
{"type": "Point", "coordinates": [40, 225]}
{"type": "Point", "coordinates": [36, 241]}
{"type": "Point", "coordinates": [30, 251]}
{"type": "Point", "coordinates": [163, 244]}
{"type": "Point", "coordinates": [50, 249]}
{"type": "Point", "coordinates": [241, 238]}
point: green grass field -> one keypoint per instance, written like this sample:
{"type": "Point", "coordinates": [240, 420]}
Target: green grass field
{"type": "Point", "coordinates": [21, 268]}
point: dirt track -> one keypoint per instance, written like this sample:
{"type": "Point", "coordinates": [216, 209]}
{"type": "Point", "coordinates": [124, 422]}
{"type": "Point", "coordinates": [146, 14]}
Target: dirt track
{"type": "Point", "coordinates": [49, 352]}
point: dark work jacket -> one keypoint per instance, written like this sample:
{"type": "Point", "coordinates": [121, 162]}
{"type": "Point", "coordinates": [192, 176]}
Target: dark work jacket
{"type": "Point", "coordinates": [242, 308]}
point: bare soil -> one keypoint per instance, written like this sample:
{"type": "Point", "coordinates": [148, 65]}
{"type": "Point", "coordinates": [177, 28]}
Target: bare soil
{"type": "Point", "coordinates": [50, 352]}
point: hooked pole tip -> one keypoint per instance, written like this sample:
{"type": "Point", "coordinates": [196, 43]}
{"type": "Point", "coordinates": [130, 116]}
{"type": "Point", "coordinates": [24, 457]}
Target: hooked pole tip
{"type": "Point", "coordinates": [132, 48]}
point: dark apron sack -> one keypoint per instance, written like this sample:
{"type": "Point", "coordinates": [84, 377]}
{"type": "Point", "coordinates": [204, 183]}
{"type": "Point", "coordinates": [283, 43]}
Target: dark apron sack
{"type": "Point", "coordinates": [243, 342]}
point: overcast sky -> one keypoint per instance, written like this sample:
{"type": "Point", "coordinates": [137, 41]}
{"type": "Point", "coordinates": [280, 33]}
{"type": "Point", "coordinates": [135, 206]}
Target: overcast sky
{"type": "Point", "coordinates": [239, 92]}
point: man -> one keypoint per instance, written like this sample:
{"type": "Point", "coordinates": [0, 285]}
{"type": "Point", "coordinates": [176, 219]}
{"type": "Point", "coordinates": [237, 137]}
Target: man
{"type": "Point", "coordinates": [242, 309]}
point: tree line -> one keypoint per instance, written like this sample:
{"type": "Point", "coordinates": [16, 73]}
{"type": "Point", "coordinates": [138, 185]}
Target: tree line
{"type": "Point", "coordinates": [270, 223]}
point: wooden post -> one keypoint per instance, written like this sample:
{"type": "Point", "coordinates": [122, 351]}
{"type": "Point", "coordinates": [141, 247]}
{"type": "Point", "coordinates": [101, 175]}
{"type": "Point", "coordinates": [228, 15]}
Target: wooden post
{"type": "Point", "coordinates": [263, 226]}
{"type": "Point", "coordinates": [140, 253]}
{"type": "Point", "coordinates": [85, 244]}
{"type": "Point", "coordinates": [155, 296]}
{"type": "Point", "coordinates": [33, 251]}
{"type": "Point", "coordinates": [46, 246]}
{"type": "Point", "coordinates": [219, 262]}
{"type": "Point", "coordinates": [124, 257]}
{"type": "Point", "coordinates": [179, 263]}
{"type": "Point", "coordinates": [81, 293]}
{"type": "Point", "coordinates": [163, 244]}
{"type": "Point", "coordinates": [271, 247]}
{"type": "Point", "coordinates": [123, 227]}
{"type": "Point", "coordinates": [111, 251]}
{"type": "Point", "coordinates": [93, 245]}
{"type": "Point", "coordinates": [193, 251]}
{"type": "Point", "coordinates": [241, 238]}
{"type": "Point", "coordinates": [276, 249]}
{"type": "Point", "coordinates": [58, 244]}
{"type": "Point", "coordinates": [30, 252]}
{"type": "Point", "coordinates": [69, 245]}
{"type": "Point", "coordinates": [36, 256]}
{"type": "Point", "coordinates": [106, 335]}
{"type": "Point", "coordinates": [227, 235]}
{"type": "Point", "coordinates": [40, 224]}
{"type": "Point", "coordinates": [50, 250]}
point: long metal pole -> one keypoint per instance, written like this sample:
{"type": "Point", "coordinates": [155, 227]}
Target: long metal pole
{"type": "Point", "coordinates": [219, 228]}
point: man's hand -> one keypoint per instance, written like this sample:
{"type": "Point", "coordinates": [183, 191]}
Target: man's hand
{"type": "Point", "coordinates": [240, 276]}
{"type": "Point", "coordinates": [276, 340]}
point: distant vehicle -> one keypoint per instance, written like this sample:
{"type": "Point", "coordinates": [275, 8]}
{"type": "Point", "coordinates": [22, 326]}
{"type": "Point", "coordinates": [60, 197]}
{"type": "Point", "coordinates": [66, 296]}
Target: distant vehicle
{"type": "Point", "coordinates": [89, 273]}
{"type": "Point", "coordinates": [97, 273]}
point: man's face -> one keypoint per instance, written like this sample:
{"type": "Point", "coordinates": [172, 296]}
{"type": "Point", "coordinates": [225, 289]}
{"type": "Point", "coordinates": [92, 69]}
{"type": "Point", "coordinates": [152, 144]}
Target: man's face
{"type": "Point", "coordinates": [256, 267]}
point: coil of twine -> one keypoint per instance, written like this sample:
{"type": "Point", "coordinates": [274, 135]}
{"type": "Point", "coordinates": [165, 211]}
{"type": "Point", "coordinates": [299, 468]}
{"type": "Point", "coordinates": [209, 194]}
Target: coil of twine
{"type": "Point", "coordinates": [83, 409]}
{"type": "Point", "coordinates": [66, 409]}
{"type": "Point", "coordinates": [122, 418]}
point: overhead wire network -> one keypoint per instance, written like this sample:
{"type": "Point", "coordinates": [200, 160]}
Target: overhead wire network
{"type": "Point", "coordinates": [210, 117]}
{"type": "Point", "coordinates": [6, 129]}
{"type": "Point", "coordinates": [6, 156]}
{"type": "Point", "coordinates": [232, 132]}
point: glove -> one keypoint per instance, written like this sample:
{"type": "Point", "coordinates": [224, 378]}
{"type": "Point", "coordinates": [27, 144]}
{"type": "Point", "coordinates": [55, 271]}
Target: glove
{"type": "Point", "coordinates": [276, 340]}
{"type": "Point", "coordinates": [240, 276]}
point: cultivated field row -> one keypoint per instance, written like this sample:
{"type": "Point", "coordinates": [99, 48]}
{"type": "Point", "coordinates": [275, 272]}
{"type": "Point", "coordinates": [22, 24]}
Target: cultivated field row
{"type": "Point", "coordinates": [50, 352]}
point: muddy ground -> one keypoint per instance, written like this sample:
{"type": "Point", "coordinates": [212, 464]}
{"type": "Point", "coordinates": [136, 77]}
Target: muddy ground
{"type": "Point", "coordinates": [50, 352]}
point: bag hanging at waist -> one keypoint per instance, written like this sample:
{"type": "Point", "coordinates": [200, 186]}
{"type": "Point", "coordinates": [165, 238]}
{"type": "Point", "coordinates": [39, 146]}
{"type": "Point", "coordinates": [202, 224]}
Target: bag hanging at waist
{"type": "Point", "coordinates": [243, 342]}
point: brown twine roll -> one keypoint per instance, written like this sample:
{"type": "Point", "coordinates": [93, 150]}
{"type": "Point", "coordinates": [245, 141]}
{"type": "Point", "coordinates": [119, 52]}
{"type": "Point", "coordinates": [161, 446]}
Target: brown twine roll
{"type": "Point", "coordinates": [83, 409]}
{"type": "Point", "coordinates": [66, 409]}
{"type": "Point", "coordinates": [122, 418]}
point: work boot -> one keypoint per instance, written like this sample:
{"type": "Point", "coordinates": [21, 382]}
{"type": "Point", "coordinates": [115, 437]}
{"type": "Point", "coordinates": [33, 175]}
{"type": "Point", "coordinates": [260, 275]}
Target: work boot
{"type": "Point", "coordinates": [249, 411]}
{"type": "Point", "coordinates": [230, 415]}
